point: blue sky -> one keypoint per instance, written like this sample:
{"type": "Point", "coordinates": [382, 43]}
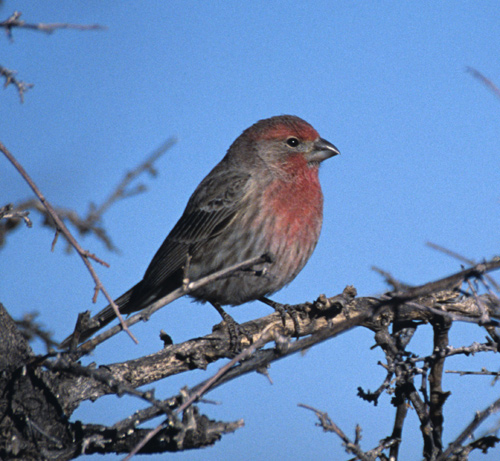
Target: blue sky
{"type": "Point", "coordinates": [384, 81]}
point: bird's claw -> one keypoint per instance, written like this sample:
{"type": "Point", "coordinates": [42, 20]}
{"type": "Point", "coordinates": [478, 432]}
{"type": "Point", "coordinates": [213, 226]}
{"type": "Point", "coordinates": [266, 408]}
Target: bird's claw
{"type": "Point", "coordinates": [283, 310]}
{"type": "Point", "coordinates": [235, 330]}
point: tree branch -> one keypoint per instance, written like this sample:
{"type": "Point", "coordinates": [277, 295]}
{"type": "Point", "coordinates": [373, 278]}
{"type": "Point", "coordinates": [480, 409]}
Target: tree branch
{"type": "Point", "coordinates": [14, 21]}
{"type": "Point", "coordinates": [70, 384]}
{"type": "Point", "coordinates": [10, 79]}
{"type": "Point", "coordinates": [61, 227]}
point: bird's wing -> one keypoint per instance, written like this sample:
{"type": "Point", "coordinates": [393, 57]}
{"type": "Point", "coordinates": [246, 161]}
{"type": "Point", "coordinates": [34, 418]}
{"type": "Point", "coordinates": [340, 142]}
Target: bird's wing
{"type": "Point", "coordinates": [210, 209]}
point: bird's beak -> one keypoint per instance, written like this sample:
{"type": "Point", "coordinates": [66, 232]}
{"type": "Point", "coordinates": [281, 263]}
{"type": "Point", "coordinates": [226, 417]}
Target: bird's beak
{"type": "Point", "coordinates": [321, 151]}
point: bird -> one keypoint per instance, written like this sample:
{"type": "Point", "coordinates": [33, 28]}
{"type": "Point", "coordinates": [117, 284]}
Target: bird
{"type": "Point", "coordinates": [263, 197]}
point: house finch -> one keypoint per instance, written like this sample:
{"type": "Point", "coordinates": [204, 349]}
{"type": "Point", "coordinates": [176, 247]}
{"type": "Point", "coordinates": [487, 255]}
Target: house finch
{"type": "Point", "coordinates": [264, 197]}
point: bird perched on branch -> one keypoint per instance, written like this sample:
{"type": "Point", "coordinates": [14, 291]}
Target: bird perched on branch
{"type": "Point", "coordinates": [264, 197]}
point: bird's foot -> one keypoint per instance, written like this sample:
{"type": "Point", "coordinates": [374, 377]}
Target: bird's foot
{"type": "Point", "coordinates": [283, 310]}
{"type": "Point", "coordinates": [236, 332]}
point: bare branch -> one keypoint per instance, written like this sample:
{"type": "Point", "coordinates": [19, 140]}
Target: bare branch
{"type": "Point", "coordinates": [483, 372]}
{"type": "Point", "coordinates": [461, 258]}
{"type": "Point", "coordinates": [31, 329]}
{"type": "Point", "coordinates": [329, 426]}
{"type": "Point", "coordinates": [479, 417]}
{"type": "Point", "coordinates": [318, 321]}
{"type": "Point", "coordinates": [8, 212]}
{"type": "Point", "coordinates": [10, 79]}
{"type": "Point", "coordinates": [316, 326]}
{"type": "Point", "coordinates": [145, 314]}
{"type": "Point", "coordinates": [390, 280]}
{"type": "Point", "coordinates": [91, 223]}
{"type": "Point", "coordinates": [486, 81]}
{"type": "Point", "coordinates": [61, 227]}
{"type": "Point", "coordinates": [15, 21]}
{"type": "Point", "coordinates": [121, 191]}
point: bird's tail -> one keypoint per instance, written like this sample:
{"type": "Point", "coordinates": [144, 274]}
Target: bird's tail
{"type": "Point", "coordinates": [108, 314]}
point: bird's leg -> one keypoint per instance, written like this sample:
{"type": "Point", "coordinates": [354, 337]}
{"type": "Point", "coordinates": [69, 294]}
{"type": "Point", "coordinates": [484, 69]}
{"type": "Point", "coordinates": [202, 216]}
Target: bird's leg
{"type": "Point", "coordinates": [234, 328]}
{"type": "Point", "coordinates": [282, 310]}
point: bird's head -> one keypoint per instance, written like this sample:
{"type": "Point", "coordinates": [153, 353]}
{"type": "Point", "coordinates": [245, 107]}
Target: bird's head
{"type": "Point", "coordinates": [282, 140]}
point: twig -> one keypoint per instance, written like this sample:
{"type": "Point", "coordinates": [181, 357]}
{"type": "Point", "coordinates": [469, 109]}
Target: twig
{"type": "Point", "coordinates": [14, 21]}
{"type": "Point", "coordinates": [483, 372]}
{"type": "Point", "coordinates": [484, 79]}
{"type": "Point", "coordinates": [120, 191]}
{"type": "Point", "coordinates": [31, 329]}
{"type": "Point", "coordinates": [8, 212]}
{"type": "Point", "coordinates": [10, 79]}
{"type": "Point", "coordinates": [462, 258]}
{"type": "Point", "coordinates": [448, 283]}
{"type": "Point", "coordinates": [374, 396]}
{"type": "Point", "coordinates": [90, 222]}
{"type": "Point", "coordinates": [328, 425]}
{"type": "Point", "coordinates": [61, 227]}
{"type": "Point", "coordinates": [466, 433]}
{"type": "Point", "coordinates": [145, 314]}
{"type": "Point", "coordinates": [450, 351]}
{"type": "Point", "coordinates": [268, 334]}
{"type": "Point", "coordinates": [390, 280]}
{"type": "Point", "coordinates": [451, 253]}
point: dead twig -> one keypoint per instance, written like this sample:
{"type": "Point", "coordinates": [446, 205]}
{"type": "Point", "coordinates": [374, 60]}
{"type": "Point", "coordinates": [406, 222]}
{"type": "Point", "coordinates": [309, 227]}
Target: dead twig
{"type": "Point", "coordinates": [268, 334]}
{"type": "Point", "coordinates": [476, 74]}
{"type": "Point", "coordinates": [183, 290]}
{"type": "Point", "coordinates": [14, 21]}
{"type": "Point", "coordinates": [61, 228]}
{"type": "Point", "coordinates": [8, 212]}
{"type": "Point", "coordinates": [329, 426]}
{"type": "Point", "coordinates": [390, 280]}
{"type": "Point", "coordinates": [471, 427]}
{"type": "Point", "coordinates": [10, 79]}
{"type": "Point", "coordinates": [483, 372]}
{"type": "Point", "coordinates": [463, 259]}
{"type": "Point", "coordinates": [91, 223]}
{"type": "Point", "coordinates": [121, 191]}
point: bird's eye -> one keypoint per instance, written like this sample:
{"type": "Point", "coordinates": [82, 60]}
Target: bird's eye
{"type": "Point", "coordinates": [293, 142]}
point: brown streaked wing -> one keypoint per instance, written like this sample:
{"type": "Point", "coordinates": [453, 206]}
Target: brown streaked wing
{"type": "Point", "coordinates": [204, 218]}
